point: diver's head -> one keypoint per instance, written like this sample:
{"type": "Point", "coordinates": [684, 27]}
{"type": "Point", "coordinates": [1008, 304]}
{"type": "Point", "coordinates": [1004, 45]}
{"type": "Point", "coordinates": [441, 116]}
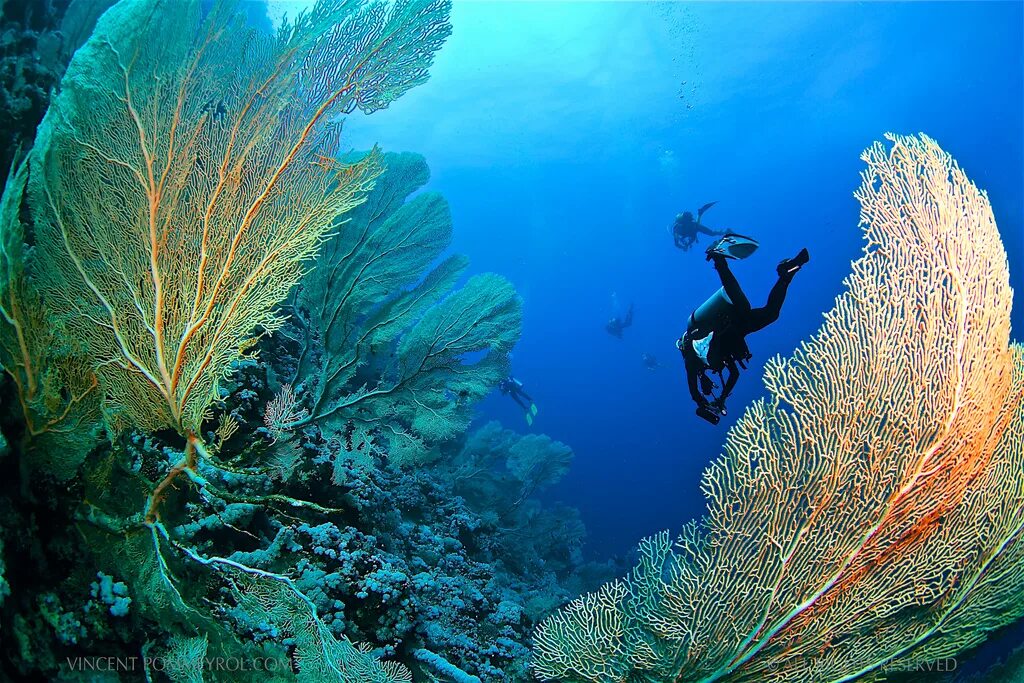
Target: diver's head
{"type": "Point", "coordinates": [687, 216]}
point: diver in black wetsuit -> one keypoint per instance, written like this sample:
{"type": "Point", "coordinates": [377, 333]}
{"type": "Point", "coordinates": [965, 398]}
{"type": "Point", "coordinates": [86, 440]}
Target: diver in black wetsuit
{"type": "Point", "coordinates": [615, 326]}
{"type": "Point", "coordinates": [686, 229]}
{"type": "Point", "coordinates": [513, 388]}
{"type": "Point", "coordinates": [715, 337]}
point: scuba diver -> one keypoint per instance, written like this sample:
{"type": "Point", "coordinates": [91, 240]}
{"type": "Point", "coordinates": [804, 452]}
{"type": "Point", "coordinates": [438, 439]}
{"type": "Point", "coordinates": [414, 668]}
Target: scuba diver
{"type": "Point", "coordinates": [715, 337]}
{"type": "Point", "coordinates": [616, 325]}
{"type": "Point", "coordinates": [649, 361]}
{"type": "Point", "coordinates": [510, 386]}
{"type": "Point", "coordinates": [685, 229]}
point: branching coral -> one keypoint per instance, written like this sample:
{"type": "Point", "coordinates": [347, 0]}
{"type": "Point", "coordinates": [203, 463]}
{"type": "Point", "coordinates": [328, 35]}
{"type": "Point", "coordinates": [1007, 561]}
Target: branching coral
{"type": "Point", "coordinates": [499, 469]}
{"type": "Point", "coordinates": [868, 514]}
{"type": "Point", "coordinates": [408, 565]}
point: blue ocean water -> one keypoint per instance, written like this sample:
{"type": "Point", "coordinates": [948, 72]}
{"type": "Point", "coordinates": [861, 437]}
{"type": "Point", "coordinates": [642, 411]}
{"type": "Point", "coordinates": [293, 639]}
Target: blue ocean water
{"type": "Point", "coordinates": [567, 136]}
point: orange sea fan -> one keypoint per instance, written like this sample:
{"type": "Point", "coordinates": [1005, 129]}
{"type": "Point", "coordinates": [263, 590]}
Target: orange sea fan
{"type": "Point", "coordinates": [184, 177]}
{"type": "Point", "coordinates": [866, 517]}
{"type": "Point", "coordinates": [183, 180]}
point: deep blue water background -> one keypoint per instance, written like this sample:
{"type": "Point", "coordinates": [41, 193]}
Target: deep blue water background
{"type": "Point", "coordinates": [566, 136]}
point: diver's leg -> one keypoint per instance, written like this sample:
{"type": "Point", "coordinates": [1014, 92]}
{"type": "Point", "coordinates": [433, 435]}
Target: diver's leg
{"type": "Point", "coordinates": [759, 318]}
{"type": "Point", "coordinates": [515, 397]}
{"type": "Point", "coordinates": [731, 285]}
{"type": "Point", "coordinates": [777, 296]}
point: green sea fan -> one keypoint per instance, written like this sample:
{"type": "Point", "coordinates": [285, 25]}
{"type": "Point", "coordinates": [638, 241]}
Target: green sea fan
{"type": "Point", "coordinates": [55, 386]}
{"type": "Point", "coordinates": [393, 355]}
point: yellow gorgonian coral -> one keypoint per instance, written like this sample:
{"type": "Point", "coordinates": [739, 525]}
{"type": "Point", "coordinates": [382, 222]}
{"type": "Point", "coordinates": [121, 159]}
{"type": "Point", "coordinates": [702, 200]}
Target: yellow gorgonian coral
{"type": "Point", "coordinates": [185, 175]}
{"type": "Point", "coordinates": [867, 516]}
{"type": "Point", "coordinates": [186, 172]}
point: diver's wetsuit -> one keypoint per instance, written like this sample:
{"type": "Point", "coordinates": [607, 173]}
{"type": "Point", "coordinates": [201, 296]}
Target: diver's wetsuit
{"type": "Point", "coordinates": [728, 345]}
{"type": "Point", "coordinates": [514, 388]}
{"type": "Point", "coordinates": [749, 319]}
{"type": "Point", "coordinates": [685, 231]}
{"type": "Point", "coordinates": [616, 326]}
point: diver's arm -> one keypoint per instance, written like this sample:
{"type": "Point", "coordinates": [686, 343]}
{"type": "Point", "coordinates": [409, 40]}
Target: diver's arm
{"type": "Point", "coordinates": [730, 381]}
{"type": "Point", "coordinates": [693, 369]}
{"type": "Point", "coordinates": [691, 382]}
{"type": "Point", "coordinates": [706, 230]}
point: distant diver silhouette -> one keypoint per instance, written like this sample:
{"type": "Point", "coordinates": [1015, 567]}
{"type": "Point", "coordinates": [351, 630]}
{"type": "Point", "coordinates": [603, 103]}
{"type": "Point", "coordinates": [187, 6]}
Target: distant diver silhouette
{"type": "Point", "coordinates": [616, 325]}
{"type": "Point", "coordinates": [512, 387]}
{"type": "Point", "coordinates": [649, 361]}
{"type": "Point", "coordinates": [686, 229]}
{"type": "Point", "coordinates": [715, 337]}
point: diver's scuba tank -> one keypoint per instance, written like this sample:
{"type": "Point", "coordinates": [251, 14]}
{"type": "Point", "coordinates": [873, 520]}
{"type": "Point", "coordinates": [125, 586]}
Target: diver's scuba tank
{"type": "Point", "coordinates": [710, 315]}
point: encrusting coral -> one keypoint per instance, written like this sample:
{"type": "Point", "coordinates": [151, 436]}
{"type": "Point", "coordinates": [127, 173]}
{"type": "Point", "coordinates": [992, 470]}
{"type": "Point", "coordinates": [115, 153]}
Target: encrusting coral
{"type": "Point", "coordinates": [868, 514]}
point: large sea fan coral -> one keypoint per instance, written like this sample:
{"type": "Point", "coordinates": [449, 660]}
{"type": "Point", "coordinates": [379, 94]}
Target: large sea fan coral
{"type": "Point", "coordinates": [866, 516]}
{"type": "Point", "coordinates": [386, 336]}
{"type": "Point", "coordinates": [179, 185]}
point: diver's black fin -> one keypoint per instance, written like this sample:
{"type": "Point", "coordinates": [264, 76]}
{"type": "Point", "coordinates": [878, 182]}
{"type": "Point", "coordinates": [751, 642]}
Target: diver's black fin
{"type": "Point", "coordinates": [791, 265]}
{"type": "Point", "coordinates": [701, 210]}
{"type": "Point", "coordinates": [733, 246]}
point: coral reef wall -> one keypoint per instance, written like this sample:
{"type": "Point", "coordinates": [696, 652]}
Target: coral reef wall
{"type": "Point", "coordinates": [239, 373]}
{"type": "Point", "coordinates": [32, 63]}
{"type": "Point", "coordinates": [868, 514]}
{"type": "Point", "coordinates": [37, 37]}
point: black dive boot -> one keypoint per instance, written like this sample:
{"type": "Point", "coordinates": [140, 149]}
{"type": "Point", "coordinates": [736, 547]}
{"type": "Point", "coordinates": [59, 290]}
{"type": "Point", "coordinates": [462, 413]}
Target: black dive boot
{"type": "Point", "coordinates": [788, 267]}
